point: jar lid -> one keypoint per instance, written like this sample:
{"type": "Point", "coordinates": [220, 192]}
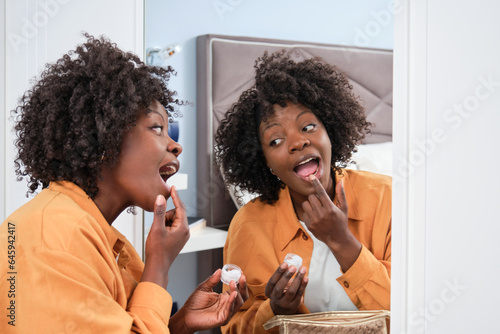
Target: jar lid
{"type": "Point", "coordinates": [293, 260]}
{"type": "Point", "coordinates": [230, 272]}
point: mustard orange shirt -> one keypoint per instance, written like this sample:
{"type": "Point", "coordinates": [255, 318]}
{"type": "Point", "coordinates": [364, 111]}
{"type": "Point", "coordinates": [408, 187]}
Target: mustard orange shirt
{"type": "Point", "coordinates": [260, 235]}
{"type": "Point", "coordinates": [69, 271]}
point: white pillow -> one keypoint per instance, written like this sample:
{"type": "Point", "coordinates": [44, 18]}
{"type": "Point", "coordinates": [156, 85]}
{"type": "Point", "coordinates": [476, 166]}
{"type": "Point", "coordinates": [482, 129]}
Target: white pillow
{"type": "Point", "coordinates": [375, 158]}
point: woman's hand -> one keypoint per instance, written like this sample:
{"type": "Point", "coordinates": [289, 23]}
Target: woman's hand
{"type": "Point", "coordinates": [206, 309]}
{"type": "Point", "coordinates": [328, 223]}
{"type": "Point", "coordinates": [285, 293]}
{"type": "Point", "coordinates": [169, 233]}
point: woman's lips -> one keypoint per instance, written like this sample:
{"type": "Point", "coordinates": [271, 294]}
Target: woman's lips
{"type": "Point", "coordinates": [167, 171]}
{"type": "Point", "coordinates": [308, 166]}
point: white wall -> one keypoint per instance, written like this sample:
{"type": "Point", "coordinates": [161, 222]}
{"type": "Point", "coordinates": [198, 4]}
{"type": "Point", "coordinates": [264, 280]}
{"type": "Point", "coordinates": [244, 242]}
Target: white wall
{"type": "Point", "coordinates": [361, 23]}
{"type": "Point", "coordinates": [37, 32]}
{"type": "Point", "coordinates": [3, 66]}
{"type": "Point", "coordinates": [447, 100]}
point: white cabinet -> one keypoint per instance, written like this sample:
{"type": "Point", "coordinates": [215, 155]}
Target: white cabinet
{"type": "Point", "coordinates": [205, 238]}
{"type": "Point", "coordinates": [446, 186]}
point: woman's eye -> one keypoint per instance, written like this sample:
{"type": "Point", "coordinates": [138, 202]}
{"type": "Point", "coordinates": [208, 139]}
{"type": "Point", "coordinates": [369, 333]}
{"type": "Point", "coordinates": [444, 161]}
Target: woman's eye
{"type": "Point", "coordinates": [275, 142]}
{"type": "Point", "coordinates": [309, 127]}
{"type": "Point", "coordinates": [158, 129]}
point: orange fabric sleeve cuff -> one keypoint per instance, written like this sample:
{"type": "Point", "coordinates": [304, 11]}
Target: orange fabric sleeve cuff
{"type": "Point", "coordinates": [264, 314]}
{"type": "Point", "coordinates": [359, 272]}
{"type": "Point", "coordinates": [151, 301]}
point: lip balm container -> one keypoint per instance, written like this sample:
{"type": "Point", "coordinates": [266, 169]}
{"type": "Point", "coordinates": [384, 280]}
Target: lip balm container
{"type": "Point", "coordinates": [230, 272]}
{"type": "Point", "coordinates": [293, 260]}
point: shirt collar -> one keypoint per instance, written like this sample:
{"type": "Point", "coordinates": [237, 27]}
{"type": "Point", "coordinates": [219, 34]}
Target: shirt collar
{"type": "Point", "coordinates": [86, 203]}
{"type": "Point", "coordinates": [288, 224]}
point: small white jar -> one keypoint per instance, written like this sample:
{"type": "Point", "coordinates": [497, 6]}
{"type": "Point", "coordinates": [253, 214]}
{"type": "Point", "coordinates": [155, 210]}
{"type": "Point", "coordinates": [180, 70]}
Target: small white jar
{"type": "Point", "coordinates": [293, 260]}
{"type": "Point", "coordinates": [230, 272]}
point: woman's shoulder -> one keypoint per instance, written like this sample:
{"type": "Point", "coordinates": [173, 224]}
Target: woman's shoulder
{"type": "Point", "coordinates": [54, 220]}
{"type": "Point", "coordinates": [254, 209]}
{"type": "Point", "coordinates": [48, 205]}
{"type": "Point", "coordinates": [360, 180]}
{"type": "Point", "coordinates": [368, 192]}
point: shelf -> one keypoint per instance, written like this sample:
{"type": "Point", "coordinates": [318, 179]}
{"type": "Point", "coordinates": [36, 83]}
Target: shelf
{"type": "Point", "coordinates": [205, 238]}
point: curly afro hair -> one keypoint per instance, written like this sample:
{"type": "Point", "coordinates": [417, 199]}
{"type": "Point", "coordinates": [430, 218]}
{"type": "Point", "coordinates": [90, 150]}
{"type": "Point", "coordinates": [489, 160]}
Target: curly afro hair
{"type": "Point", "coordinates": [280, 80]}
{"type": "Point", "coordinates": [73, 119]}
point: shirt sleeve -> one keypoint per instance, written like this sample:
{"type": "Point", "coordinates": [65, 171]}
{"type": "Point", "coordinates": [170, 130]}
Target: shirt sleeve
{"type": "Point", "coordinates": [368, 281]}
{"type": "Point", "coordinates": [79, 289]}
{"type": "Point", "coordinates": [252, 317]}
{"type": "Point", "coordinates": [150, 307]}
{"type": "Point", "coordinates": [257, 309]}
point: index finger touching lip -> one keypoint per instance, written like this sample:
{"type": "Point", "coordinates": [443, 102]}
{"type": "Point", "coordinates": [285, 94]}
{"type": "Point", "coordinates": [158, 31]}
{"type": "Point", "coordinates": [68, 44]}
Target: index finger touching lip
{"type": "Point", "coordinates": [318, 187]}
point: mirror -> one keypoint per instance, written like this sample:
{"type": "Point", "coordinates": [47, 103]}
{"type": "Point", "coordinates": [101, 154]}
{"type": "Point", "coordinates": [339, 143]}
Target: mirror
{"type": "Point", "coordinates": [361, 24]}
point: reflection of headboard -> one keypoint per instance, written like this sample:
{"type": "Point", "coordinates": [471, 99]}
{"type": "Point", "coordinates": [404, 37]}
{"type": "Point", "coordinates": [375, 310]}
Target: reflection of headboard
{"type": "Point", "coordinates": [225, 69]}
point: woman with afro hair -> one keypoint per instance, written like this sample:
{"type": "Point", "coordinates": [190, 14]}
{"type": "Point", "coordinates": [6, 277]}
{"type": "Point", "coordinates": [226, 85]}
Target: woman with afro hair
{"type": "Point", "coordinates": [288, 139]}
{"type": "Point", "coordinates": [92, 134]}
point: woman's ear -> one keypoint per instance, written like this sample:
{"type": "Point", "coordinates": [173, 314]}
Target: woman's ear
{"type": "Point", "coordinates": [270, 169]}
{"type": "Point", "coordinates": [267, 164]}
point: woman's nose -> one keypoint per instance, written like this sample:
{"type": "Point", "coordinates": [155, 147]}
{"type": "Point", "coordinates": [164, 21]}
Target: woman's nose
{"type": "Point", "coordinates": [298, 143]}
{"type": "Point", "coordinates": [174, 147]}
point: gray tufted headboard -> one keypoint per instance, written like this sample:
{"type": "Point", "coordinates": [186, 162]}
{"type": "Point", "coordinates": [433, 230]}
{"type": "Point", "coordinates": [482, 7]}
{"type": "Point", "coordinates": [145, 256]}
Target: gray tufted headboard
{"type": "Point", "coordinates": [225, 69]}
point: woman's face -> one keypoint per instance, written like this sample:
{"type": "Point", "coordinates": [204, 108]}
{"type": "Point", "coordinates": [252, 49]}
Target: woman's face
{"type": "Point", "coordinates": [296, 145]}
{"type": "Point", "coordinates": [148, 158]}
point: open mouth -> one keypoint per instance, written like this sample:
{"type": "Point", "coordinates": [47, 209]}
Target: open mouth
{"type": "Point", "coordinates": [307, 167]}
{"type": "Point", "coordinates": [167, 171]}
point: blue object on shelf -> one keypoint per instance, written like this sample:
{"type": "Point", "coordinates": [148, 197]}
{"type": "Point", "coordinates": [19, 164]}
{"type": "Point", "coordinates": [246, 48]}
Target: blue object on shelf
{"type": "Point", "coordinates": [173, 130]}
{"type": "Point", "coordinates": [175, 308]}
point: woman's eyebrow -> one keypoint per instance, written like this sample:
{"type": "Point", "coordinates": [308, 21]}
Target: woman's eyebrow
{"type": "Point", "coordinates": [267, 127]}
{"type": "Point", "coordinates": [149, 111]}
{"type": "Point", "coordinates": [307, 111]}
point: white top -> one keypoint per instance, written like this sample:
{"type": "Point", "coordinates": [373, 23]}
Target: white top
{"type": "Point", "coordinates": [323, 292]}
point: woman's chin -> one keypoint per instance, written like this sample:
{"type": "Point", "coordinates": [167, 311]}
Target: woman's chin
{"type": "Point", "coordinates": [168, 190]}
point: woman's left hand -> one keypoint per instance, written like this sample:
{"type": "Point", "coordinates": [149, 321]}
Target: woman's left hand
{"type": "Point", "coordinates": [328, 222]}
{"type": "Point", "coordinates": [207, 309]}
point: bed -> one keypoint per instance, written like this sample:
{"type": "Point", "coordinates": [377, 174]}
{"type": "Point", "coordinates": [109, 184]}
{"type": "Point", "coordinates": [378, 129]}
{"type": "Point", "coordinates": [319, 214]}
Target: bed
{"type": "Point", "coordinates": [225, 70]}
